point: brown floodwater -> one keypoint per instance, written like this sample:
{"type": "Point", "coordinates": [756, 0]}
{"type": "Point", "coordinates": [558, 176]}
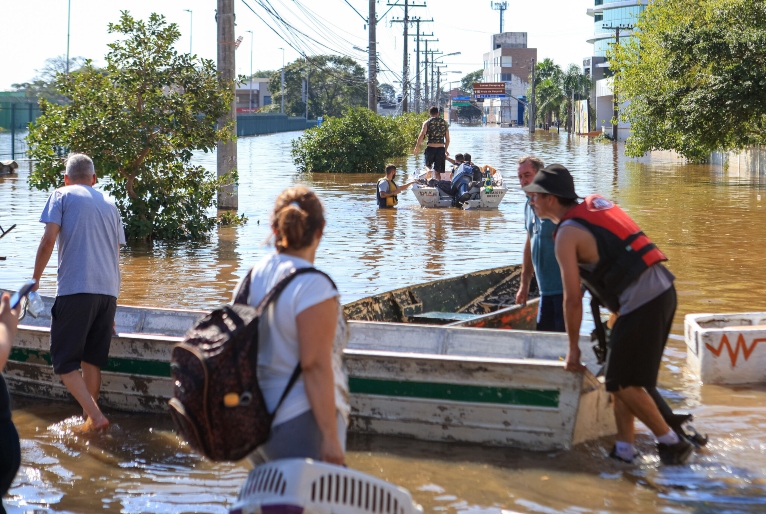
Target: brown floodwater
{"type": "Point", "coordinates": [709, 222]}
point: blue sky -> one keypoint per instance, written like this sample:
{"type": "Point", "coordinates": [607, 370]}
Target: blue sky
{"type": "Point", "coordinates": [34, 30]}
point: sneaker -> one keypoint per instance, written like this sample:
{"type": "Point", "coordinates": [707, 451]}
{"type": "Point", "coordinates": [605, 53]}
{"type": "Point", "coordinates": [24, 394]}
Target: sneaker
{"type": "Point", "coordinates": [613, 455]}
{"type": "Point", "coordinates": [675, 454]}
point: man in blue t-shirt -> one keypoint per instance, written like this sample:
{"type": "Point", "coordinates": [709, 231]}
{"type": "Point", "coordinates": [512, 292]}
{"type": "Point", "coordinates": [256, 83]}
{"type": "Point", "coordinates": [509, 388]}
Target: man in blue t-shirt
{"type": "Point", "coordinates": [540, 258]}
{"type": "Point", "coordinates": [87, 228]}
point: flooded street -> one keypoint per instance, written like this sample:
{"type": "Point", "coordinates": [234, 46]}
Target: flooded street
{"type": "Point", "coordinates": [710, 224]}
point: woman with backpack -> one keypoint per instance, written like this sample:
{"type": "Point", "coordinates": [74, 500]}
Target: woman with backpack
{"type": "Point", "coordinates": [304, 327]}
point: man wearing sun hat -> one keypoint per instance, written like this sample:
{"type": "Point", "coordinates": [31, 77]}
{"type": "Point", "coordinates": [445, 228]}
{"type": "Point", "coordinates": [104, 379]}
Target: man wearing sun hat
{"type": "Point", "coordinates": [601, 247]}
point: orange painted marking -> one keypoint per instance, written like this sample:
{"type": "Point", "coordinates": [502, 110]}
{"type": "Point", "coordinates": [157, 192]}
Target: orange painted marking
{"type": "Point", "coordinates": [734, 352]}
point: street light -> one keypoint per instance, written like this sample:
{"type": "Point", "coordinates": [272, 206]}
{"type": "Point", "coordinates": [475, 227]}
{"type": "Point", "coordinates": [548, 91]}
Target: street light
{"type": "Point", "coordinates": [282, 110]}
{"type": "Point", "coordinates": [191, 20]}
{"type": "Point", "coordinates": [68, 18]}
{"type": "Point", "coordinates": [250, 106]}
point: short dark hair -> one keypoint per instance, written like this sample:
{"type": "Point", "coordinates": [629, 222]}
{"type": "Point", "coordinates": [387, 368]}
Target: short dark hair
{"type": "Point", "coordinates": [390, 167]}
{"type": "Point", "coordinates": [459, 157]}
{"type": "Point", "coordinates": [467, 157]}
{"type": "Point", "coordinates": [434, 110]}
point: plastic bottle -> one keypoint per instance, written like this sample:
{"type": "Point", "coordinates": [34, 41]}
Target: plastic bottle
{"type": "Point", "coordinates": [35, 307]}
{"type": "Point", "coordinates": [488, 183]}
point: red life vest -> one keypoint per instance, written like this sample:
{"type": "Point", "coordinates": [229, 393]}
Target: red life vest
{"type": "Point", "coordinates": [624, 251]}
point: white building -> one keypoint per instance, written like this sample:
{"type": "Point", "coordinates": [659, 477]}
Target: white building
{"type": "Point", "coordinates": [509, 61]}
{"type": "Point", "coordinates": [607, 14]}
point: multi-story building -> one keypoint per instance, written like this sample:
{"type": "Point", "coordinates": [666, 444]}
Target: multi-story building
{"type": "Point", "coordinates": [255, 90]}
{"type": "Point", "coordinates": [606, 14]}
{"type": "Point", "coordinates": [509, 61]}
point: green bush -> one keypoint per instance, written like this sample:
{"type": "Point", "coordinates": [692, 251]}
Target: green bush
{"type": "Point", "coordinates": [359, 142]}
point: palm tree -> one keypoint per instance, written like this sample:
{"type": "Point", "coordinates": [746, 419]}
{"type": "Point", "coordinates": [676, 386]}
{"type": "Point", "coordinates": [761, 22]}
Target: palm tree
{"type": "Point", "coordinates": [575, 85]}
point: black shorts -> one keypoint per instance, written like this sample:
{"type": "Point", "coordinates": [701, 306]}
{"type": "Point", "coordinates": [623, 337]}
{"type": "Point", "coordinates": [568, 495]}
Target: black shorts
{"type": "Point", "coordinates": [634, 352]}
{"type": "Point", "coordinates": [81, 330]}
{"type": "Point", "coordinates": [435, 158]}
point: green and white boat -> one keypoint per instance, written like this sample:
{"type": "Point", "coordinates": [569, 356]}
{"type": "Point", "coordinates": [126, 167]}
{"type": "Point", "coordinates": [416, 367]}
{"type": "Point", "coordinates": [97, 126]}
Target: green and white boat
{"type": "Point", "coordinates": [435, 361]}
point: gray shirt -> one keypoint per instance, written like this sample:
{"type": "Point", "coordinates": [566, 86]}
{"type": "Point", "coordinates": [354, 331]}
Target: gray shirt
{"type": "Point", "coordinates": [88, 243]}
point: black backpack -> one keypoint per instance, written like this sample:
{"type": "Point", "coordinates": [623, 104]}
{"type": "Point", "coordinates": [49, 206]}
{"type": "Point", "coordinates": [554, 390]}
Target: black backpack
{"type": "Point", "coordinates": [217, 404]}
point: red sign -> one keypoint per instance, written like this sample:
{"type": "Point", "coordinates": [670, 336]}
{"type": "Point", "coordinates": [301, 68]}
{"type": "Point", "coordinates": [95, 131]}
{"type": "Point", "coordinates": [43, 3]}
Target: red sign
{"type": "Point", "coordinates": [489, 88]}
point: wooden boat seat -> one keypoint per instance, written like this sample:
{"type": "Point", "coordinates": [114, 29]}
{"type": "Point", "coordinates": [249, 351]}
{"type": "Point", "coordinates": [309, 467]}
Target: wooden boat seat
{"type": "Point", "coordinates": [442, 318]}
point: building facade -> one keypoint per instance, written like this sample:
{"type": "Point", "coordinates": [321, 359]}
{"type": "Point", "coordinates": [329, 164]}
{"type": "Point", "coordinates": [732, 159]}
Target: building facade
{"type": "Point", "coordinates": [508, 61]}
{"type": "Point", "coordinates": [607, 14]}
{"type": "Point", "coordinates": [260, 95]}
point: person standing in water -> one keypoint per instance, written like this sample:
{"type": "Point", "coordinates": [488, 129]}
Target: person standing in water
{"type": "Point", "coordinates": [387, 190]}
{"type": "Point", "coordinates": [437, 130]}
{"type": "Point", "coordinates": [598, 245]}
{"type": "Point", "coordinates": [87, 227]}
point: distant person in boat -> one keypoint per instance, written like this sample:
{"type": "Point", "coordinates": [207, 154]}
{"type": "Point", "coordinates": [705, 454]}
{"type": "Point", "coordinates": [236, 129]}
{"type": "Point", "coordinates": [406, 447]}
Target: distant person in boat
{"type": "Point", "coordinates": [437, 145]}
{"type": "Point", "coordinates": [456, 162]}
{"type": "Point", "coordinates": [540, 258]}
{"type": "Point", "coordinates": [10, 449]}
{"type": "Point", "coordinates": [601, 247]}
{"type": "Point", "coordinates": [89, 232]}
{"type": "Point", "coordinates": [388, 190]}
{"type": "Point", "coordinates": [305, 326]}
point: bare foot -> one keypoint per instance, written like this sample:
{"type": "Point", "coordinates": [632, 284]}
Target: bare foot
{"type": "Point", "coordinates": [91, 426]}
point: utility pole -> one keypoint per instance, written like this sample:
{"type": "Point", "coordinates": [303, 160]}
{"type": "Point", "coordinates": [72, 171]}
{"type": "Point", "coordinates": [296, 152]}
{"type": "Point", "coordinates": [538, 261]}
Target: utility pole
{"type": "Point", "coordinates": [372, 62]}
{"type": "Point", "coordinates": [406, 62]}
{"type": "Point", "coordinates": [432, 94]}
{"type": "Point", "coordinates": [426, 99]}
{"type": "Point", "coordinates": [532, 121]}
{"type": "Point", "coordinates": [500, 6]}
{"type": "Point", "coordinates": [227, 152]}
{"type": "Point", "coordinates": [616, 106]}
{"type": "Point", "coordinates": [418, 35]}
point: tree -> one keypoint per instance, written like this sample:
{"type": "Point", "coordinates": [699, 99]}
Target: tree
{"type": "Point", "coordinates": [387, 93]}
{"type": "Point", "coordinates": [574, 84]}
{"type": "Point", "coordinates": [694, 77]}
{"type": "Point", "coordinates": [547, 69]}
{"type": "Point", "coordinates": [335, 84]}
{"type": "Point", "coordinates": [466, 83]}
{"type": "Point", "coordinates": [140, 118]}
{"type": "Point", "coordinates": [42, 85]}
{"type": "Point", "coordinates": [359, 142]}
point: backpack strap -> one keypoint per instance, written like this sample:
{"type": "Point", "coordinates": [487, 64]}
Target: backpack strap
{"type": "Point", "coordinates": [272, 296]}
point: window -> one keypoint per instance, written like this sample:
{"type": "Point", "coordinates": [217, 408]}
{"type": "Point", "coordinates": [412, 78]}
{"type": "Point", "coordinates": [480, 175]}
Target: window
{"type": "Point", "coordinates": [599, 17]}
{"type": "Point", "coordinates": [507, 61]}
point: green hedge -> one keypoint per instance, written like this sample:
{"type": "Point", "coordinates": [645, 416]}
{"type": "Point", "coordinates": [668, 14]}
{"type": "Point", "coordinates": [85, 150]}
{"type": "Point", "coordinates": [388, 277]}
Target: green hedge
{"type": "Point", "coordinates": [358, 142]}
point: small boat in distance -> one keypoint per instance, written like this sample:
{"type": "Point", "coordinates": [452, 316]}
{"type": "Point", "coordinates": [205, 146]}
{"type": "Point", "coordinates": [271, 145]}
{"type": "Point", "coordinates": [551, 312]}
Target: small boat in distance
{"type": "Point", "coordinates": [425, 362]}
{"type": "Point", "coordinates": [471, 195]}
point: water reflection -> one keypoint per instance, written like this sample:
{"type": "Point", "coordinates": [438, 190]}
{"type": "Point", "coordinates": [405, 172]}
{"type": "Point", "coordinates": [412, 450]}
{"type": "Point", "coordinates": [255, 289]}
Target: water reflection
{"type": "Point", "coordinates": [706, 219]}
